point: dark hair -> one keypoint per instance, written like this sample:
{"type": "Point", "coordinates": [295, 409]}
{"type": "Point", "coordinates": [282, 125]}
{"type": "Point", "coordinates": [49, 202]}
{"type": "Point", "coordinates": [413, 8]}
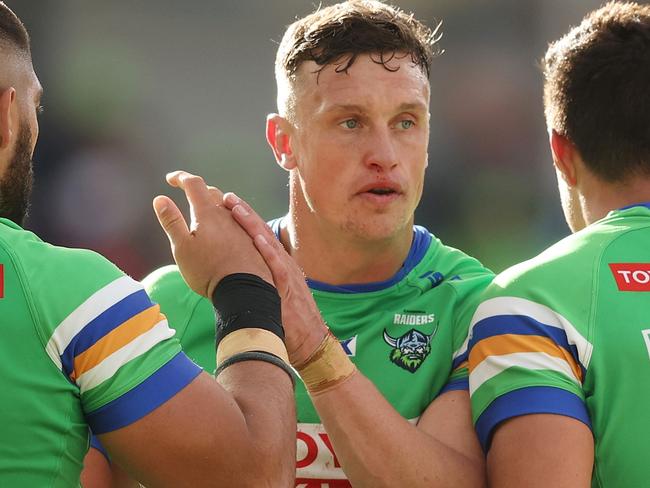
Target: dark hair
{"type": "Point", "coordinates": [597, 90]}
{"type": "Point", "coordinates": [12, 30]}
{"type": "Point", "coordinates": [341, 32]}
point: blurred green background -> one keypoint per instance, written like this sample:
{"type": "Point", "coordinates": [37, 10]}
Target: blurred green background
{"type": "Point", "coordinates": [136, 89]}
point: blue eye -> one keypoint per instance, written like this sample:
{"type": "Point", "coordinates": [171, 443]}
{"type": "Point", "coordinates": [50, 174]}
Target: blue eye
{"type": "Point", "coordinates": [350, 124]}
{"type": "Point", "coordinates": [406, 124]}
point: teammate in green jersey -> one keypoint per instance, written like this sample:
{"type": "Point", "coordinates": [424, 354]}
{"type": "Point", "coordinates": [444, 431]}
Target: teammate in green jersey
{"type": "Point", "coordinates": [559, 350]}
{"type": "Point", "coordinates": [83, 345]}
{"type": "Point", "coordinates": [352, 131]}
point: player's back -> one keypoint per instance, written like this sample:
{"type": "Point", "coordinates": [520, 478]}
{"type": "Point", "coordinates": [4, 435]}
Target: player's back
{"type": "Point", "coordinates": [568, 333]}
{"type": "Point", "coordinates": [80, 343]}
{"type": "Point", "coordinates": [43, 430]}
{"type": "Point", "coordinates": [617, 385]}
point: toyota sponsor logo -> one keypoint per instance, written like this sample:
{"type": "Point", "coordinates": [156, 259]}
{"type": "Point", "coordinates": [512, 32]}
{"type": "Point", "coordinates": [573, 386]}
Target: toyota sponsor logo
{"type": "Point", "coordinates": [631, 276]}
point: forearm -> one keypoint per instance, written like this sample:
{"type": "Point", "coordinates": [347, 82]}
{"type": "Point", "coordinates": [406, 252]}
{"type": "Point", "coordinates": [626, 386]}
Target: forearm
{"type": "Point", "coordinates": [377, 447]}
{"type": "Point", "coordinates": [268, 410]}
{"type": "Point", "coordinates": [252, 443]}
{"type": "Point", "coordinates": [207, 435]}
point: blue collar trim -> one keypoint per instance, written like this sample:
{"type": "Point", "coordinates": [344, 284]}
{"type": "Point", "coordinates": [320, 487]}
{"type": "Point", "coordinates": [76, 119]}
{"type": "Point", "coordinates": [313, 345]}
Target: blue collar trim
{"type": "Point", "coordinates": [419, 247]}
{"type": "Point", "coordinates": [645, 204]}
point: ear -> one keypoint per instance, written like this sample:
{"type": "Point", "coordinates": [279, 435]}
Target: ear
{"type": "Point", "coordinates": [7, 98]}
{"type": "Point", "coordinates": [564, 157]}
{"type": "Point", "coordinates": [277, 135]}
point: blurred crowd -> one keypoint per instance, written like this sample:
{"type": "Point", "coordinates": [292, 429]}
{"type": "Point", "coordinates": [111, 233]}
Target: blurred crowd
{"type": "Point", "coordinates": [136, 89]}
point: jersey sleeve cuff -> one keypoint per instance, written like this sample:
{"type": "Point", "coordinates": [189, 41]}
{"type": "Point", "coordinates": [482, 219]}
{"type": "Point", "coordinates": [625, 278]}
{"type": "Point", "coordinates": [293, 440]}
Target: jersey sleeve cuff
{"type": "Point", "coordinates": [96, 444]}
{"type": "Point", "coordinates": [526, 401]}
{"type": "Point", "coordinates": [171, 378]}
{"type": "Point", "coordinates": [455, 384]}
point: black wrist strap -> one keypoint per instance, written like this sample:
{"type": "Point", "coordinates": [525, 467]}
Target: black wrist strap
{"type": "Point", "coordinates": [243, 300]}
{"type": "Point", "coordinates": [257, 356]}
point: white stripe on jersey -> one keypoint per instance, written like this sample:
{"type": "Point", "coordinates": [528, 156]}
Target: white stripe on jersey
{"type": "Point", "coordinates": [493, 365]}
{"type": "Point", "coordinates": [536, 311]}
{"type": "Point", "coordinates": [138, 346]}
{"type": "Point", "coordinates": [463, 348]}
{"type": "Point", "coordinates": [95, 305]}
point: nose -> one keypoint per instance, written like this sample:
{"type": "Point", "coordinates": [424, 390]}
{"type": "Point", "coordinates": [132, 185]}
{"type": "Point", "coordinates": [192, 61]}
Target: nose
{"type": "Point", "coordinates": [381, 153]}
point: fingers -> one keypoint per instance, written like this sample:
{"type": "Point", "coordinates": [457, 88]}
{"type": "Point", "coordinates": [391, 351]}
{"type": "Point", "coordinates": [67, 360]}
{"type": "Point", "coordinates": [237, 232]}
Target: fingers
{"type": "Point", "coordinates": [247, 218]}
{"type": "Point", "coordinates": [274, 261]}
{"type": "Point", "coordinates": [195, 189]}
{"type": "Point", "coordinates": [176, 178]}
{"type": "Point", "coordinates": [216, 195]}
{"type": "Point", "coordinates": [171, 220]}
{"type": "Point", "coordinates": [230, 200]}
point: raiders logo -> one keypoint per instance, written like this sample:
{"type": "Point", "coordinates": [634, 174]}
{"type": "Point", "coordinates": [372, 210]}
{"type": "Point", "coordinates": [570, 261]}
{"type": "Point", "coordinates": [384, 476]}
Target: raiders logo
{"type": "Point", "coordinates": [409, 350]}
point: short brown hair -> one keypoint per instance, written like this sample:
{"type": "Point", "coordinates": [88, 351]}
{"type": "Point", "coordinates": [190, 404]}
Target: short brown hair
{"type": "Point", "coordinates": [12, 30]}
{"type": "Point", "coordinates": [597, 90]}
{"type": "Point", "coordinates": [338, 34]}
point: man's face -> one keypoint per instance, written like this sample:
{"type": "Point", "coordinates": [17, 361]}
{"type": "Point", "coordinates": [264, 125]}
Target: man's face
{"type": "Point", "coordinates": [360, 146]}
{"type": "Point", "coordinates": [17, 179]}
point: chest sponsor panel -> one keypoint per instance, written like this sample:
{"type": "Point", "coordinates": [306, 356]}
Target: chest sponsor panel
{"type": "Point", "coordinates": [316, 463]}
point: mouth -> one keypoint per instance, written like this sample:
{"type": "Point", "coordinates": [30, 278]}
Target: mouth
{"type": "Point", "coordinates": [381, 189]}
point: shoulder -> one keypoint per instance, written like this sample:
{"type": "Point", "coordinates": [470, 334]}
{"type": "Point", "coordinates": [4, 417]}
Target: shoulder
{"type": "Point", "coordinates": [56, 279]}
{"type": "Point", "coordinates": [164, 279]}
{"type": "Point", "coordinates": [549, 296]}
{"type": "Point", "coordinates": [453, 262]}
{"type": "Point", "coordinates": [77, 297]}
{"type": "Point", "coordinates": [54, 264]}
{"type": "Point", "coordinates": [459, 272]}
{"type": "Point", "coordinates": [566, 266]}
{"type": "Point", "coordinates": [167, 287]}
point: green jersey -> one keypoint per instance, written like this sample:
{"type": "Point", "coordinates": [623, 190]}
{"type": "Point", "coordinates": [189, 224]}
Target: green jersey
{"type": "Point", "coordinates": [568, 333]}
{"type": "Point", "coordinates": [82, 346]}
{"type": "Point", "coordinates": [401, 334]}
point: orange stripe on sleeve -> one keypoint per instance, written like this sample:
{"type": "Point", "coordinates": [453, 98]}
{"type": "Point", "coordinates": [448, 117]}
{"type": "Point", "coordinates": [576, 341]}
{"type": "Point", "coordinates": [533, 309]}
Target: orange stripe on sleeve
{"type": "Point", "coordinates": [116, 339]}
{"type": "Point", "coordinates": [514, 343]}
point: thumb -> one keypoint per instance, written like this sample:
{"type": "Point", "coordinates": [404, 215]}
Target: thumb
{"type": "Point", "coordinates": [171, 220]}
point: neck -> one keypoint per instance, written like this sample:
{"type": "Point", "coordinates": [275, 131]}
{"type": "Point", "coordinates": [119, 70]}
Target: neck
{"type": "Point", "coordinates": [337, 258]}
{"type": "Point", "coordinates": [598, 198]}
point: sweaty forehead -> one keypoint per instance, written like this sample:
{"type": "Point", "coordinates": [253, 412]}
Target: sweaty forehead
{"type": "Point", "coordinates": [365, 82]}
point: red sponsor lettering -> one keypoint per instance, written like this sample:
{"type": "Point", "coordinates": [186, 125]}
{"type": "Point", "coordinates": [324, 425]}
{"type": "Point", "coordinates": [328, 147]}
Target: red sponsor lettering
{"type": "Point", "coordinates": [631, 276]}
{"type": "Point", "coordinates": [2, 281]}
{"type": "Point", "coordinates": [320, 483]}
{"type": "Point", "coordinates": [317, 465]}
{"type": "Point", "coordinates": [312, 450]}
{"type": "Point", "coordinates": [326, 441]}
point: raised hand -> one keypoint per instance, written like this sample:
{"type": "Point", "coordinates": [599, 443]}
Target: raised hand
{"type": "Point", "coordinates": [303, 325]}
{"type": "Point", "coordinates": [213, 245]}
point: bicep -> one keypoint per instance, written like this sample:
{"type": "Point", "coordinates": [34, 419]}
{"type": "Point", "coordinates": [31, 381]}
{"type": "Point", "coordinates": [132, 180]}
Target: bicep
{"type": "Point", "coordinates": [540, 451]}
{"type": "Point", "coordinates": [207, 435]}
{"type": "Point", "coordinates": [96, 471]}
{"type": "Point", "coordinates": [448, 419]}
{"type": "Point", "coordinates": [99, 472]}
{"type": "Point", "coordinates": [179, 432]}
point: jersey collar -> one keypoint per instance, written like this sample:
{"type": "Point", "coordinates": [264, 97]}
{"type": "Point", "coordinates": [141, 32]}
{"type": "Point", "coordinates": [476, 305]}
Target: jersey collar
{"type": "Point", "coordinates": [419, 247]}
{"type": "Point", "coordinates": [644, 204]}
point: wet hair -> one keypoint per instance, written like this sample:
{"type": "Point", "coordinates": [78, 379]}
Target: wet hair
{"type": "Point", "coordinates": [338, 34]}
{"type": "Point", "coordinates": [596, 93]}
